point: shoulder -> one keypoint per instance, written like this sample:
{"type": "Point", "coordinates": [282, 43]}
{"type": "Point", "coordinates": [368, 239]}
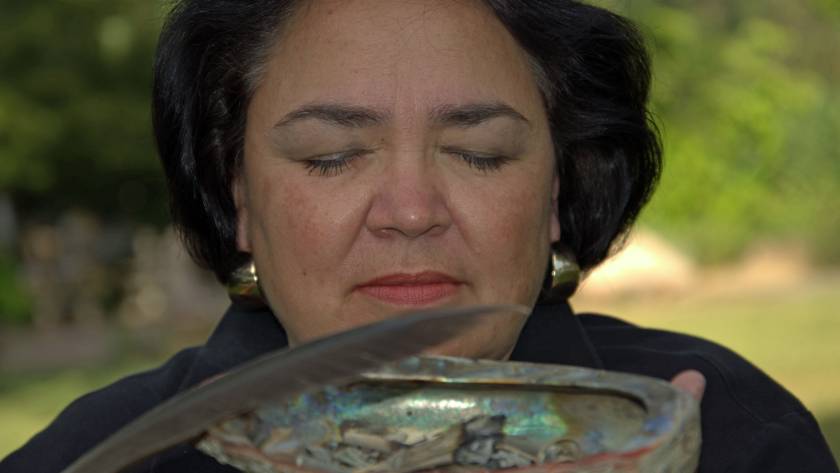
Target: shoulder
{"type": "Point", "coordinates": [742, 405]}
{"type": "Point", "coordinates": [94, 416]}
{"type": "Point", "coordinates": [626, 347]}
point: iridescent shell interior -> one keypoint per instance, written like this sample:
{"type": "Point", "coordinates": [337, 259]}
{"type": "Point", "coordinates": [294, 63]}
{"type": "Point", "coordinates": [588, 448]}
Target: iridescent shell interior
{"type": "Point", "coordinates": [450, 414]}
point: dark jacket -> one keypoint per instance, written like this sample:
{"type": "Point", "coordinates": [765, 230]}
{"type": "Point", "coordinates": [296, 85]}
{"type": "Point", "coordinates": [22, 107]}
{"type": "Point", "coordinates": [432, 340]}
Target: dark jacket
{"type": "Point", "coordinates": [749, 423]}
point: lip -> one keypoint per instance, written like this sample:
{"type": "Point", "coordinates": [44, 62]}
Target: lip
{"type": "Point", "coordinates": [411, 289]}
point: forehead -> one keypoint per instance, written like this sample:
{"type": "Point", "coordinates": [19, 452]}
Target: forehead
{"type": "Point", "coordinates": [397, 54]}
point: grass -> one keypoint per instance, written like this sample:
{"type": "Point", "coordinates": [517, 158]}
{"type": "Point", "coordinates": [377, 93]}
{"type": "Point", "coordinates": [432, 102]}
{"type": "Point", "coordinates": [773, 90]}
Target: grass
{"type": "Point", "coordinates": [791, 334]}
{"type": "Point", "coordinates": [28, 402]}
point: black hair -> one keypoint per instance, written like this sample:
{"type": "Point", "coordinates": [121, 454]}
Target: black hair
{"type": "Point", "coordinates": [590, 64]}
{"type": "Point", "coordinates": [595, 74]}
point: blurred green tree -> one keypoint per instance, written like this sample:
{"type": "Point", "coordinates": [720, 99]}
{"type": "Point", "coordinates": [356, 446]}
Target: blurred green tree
{"type": "Point", "coordinates": [74, 108]}
{"type": "Point", "coordinates": [747, 97]}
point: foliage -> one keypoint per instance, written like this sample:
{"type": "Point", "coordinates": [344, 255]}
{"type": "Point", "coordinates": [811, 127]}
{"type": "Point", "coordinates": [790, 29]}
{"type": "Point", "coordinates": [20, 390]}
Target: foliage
{"type": "Point", "coordinates": [74, 108]}
{"type": "Point", "coordinates": [749, 104]}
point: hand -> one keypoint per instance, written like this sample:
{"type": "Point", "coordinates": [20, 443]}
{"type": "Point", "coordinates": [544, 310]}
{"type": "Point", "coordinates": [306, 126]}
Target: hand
{"type": "Point", "coordinates": [691, 381]}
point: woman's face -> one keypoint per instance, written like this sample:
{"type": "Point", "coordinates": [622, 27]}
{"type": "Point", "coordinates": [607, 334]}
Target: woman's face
{"type": "Point", "coordinates": [397, 157]}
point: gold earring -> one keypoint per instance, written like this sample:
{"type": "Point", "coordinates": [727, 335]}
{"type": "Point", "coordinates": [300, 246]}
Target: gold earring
{"type": "Point", "coordinates": [565, 275]}
{"type": "Point", "coordinates": [244, 285]}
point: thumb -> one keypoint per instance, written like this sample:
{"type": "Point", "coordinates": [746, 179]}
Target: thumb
{"type": "Point", "coordinates": [691, 381]}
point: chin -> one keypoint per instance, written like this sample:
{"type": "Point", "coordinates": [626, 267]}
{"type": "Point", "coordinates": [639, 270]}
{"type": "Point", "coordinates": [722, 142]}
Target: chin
{"type": "Point", "coordinates": [491, 340]}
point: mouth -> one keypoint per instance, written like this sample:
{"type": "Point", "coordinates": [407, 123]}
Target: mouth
{"type": "Point", "coordinates": [416, 289]}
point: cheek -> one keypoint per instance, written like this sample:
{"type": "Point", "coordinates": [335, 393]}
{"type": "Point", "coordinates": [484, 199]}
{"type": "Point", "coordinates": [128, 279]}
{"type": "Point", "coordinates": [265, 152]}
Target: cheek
{"type": "Point", "coordinates": [510, 235]}
{"type": "Point", "coordinates": [301, 234]}
{"type": "Point", "coordinates": [517, 209]}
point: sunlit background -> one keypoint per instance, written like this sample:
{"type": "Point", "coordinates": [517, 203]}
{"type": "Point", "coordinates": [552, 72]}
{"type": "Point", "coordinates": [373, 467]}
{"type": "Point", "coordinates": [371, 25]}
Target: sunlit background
{"type": "Point", "coordinates": [740, 245]}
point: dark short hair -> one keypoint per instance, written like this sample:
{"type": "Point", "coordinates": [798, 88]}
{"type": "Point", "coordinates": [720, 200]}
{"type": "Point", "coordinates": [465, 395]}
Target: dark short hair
{"type": "Point", "coordinates": [591, 66]}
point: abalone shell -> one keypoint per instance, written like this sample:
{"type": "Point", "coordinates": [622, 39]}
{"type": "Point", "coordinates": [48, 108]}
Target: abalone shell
{"type": "Point", "coordinates": [451, 414]}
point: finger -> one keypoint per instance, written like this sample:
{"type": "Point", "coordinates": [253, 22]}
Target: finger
{"type": "Point", "coordinates": [211, 379]}
{"type": "Point", "coordinates": [691, 381]}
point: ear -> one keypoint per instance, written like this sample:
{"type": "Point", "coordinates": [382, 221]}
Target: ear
{"type": "Point", "coordinates": [243, 240]}
{"type": "Point", "coordinates": [554, 225]}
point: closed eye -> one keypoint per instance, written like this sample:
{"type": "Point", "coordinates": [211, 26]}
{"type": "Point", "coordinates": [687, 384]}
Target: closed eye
{"type": "Point", "coordinates": [333, 164]}
{"type": "Point", "coordinates": [480, 161]}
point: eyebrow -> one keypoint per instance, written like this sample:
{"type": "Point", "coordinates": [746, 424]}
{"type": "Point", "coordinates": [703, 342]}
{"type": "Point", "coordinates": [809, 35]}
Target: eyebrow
{"type": "Point", "coordinates": [350, 116]}
{"type": "Point", "coordinates": [347, 116]}
{"type": "Point", "coordinates": [465, 116]}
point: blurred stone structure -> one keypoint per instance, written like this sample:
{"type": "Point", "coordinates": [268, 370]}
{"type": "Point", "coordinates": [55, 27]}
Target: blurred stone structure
{"type": "Point", "coordinates": [163, 283]}
{"type": "Point", "coordinates": [646, 265]}
{"type": "Point", "coordinates": [70, 269]}
{"type": "Point", "coordinates": [81, 271]}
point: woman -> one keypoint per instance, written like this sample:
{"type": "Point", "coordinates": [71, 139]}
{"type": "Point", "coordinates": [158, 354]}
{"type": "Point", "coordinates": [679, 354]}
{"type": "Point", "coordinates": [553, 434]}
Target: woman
{"type": "Point", "coordinates": [372, 156]}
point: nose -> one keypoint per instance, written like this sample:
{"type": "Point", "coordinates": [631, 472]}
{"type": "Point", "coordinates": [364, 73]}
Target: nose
{"type": "Point", "coordinates": [410, 201]}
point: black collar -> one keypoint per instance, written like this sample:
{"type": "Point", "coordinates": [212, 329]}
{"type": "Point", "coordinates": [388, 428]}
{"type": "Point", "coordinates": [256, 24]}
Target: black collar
{"type": "Point", "coordinates": [552, 334]}
{"type": "Point", "coordinates": [242, 334]}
